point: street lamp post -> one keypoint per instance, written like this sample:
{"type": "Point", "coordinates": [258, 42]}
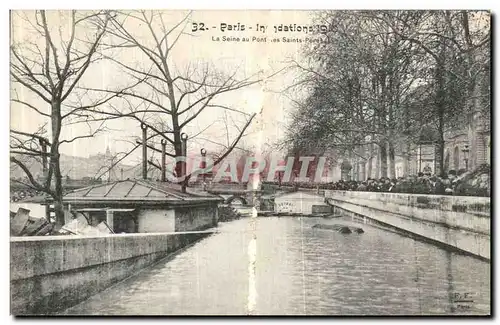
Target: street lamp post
{"type": "Point", "coordinates": [203, 152]}
{"type": "Point", "coordinates": [466, 150]}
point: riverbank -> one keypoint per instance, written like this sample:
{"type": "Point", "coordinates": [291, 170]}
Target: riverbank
{"type": "Point", "coordinates": [51, 273]}
{"type": "Point", "coordinates": [301, 270]}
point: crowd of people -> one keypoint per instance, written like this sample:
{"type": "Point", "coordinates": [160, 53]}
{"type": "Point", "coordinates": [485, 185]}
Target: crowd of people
{"type": "Point", "coordinates": [419, 184]}
{"type": "Point", "coordinates": [476, 183]}
{"type": "Point", "coordinates": [452, 183]}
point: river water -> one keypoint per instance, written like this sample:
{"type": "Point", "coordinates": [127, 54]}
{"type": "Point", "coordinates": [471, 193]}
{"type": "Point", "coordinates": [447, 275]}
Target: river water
{"type": "Point", "coordinates": [283, 266]}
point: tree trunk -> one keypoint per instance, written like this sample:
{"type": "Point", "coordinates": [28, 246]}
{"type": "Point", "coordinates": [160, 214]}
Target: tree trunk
{"type": "Point", "coordinates": [474, 126]}
{"type": "Point", "coordinates": [379, 162]}
{"type": "Point", "coordinates": [370, 162]}
{"type": "Point", "coordinates": [439, 157]}
{"type": "Point", "coordinates": [59, 211]}
{"type": "Point", "coordinates": [406, 159]}
{"type": "Point", "coordinates": [370, 166]}
{"type": "Point", "coordinates": [392, 161]}
{"type": "Point", "coordinates": [439, 146]}
{"type": "Point", "coordinates": [362, 172]}
{"type": "Point", "coordinates": [440, 102]}
{"type": "Point", "coordinates": [355, 169]}
{"type": "Point", "coordinates": [178, 149]}
{"type": "Point", "coordinates": [58, 202]}
{"type": "Point", "coordinates": [55, 162]}
{"type": "Point", "coordinates": [383, 160]}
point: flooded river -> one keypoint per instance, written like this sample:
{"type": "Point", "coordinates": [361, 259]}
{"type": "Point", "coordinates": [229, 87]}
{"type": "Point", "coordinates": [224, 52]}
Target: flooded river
{"type": "Point", "coordinates": [283, 266]}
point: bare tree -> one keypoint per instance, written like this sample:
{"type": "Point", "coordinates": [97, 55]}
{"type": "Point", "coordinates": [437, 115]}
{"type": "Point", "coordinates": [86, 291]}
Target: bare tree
{"type": "Point", "coordinates": [456, 43]}
{"type": "Point", "coordinates": [169, 100]}
{"type": "Point", "coordinates": [45, 69]}
{"type": "Point", "coordinates": [394, 78]}
{"type": "Point", "coordinates": [358, 79]}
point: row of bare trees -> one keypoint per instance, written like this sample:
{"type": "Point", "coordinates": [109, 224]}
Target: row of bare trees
{"type": "Point", "coordinates": [383, 80]}
{"type": "Point", "coordinates": [51, 56]}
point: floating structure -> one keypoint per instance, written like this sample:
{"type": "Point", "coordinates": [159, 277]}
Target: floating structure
{"type": "Point", "coordinates": [142, 206]}
{"type": "Point", "coordinates": [343, 229]}
{"type": "Point", "coordinates": [293, 214]}
{"type": "Point", "coordinates": [301, 203]}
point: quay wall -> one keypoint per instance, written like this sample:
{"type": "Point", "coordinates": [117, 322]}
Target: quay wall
{"type": "Point", "coordinates": [178, 219]}
{"type": "Point", "coordinates": [459, 222]}
{"type": "Point", "coordinates": [51, 273]}
{"type": "Point", "coordinates": [198, 218]}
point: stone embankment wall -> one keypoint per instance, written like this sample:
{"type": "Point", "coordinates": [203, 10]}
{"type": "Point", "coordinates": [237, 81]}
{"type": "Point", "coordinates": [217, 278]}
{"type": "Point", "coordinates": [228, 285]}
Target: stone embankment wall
{"type": "Point", "coordinates": [460, 222]}
{"type": "Point", "coordinates": [51, 273]}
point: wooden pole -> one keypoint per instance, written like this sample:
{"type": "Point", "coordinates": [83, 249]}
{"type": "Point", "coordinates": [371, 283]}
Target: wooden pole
{"type": "Point", "coordinates": [203, 163]}
{"type": "Point", "coordinates": [43, 144]}
{"type": "Point", "coordinates": [163, 163]}
{"type": "Point", "coordinates": [144, 151]}
{"type": "Point", "coordinates": [184, 138]}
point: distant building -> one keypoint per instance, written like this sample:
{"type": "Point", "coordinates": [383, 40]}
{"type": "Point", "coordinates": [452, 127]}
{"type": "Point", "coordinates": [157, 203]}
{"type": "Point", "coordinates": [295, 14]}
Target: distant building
{"type": "Point", "coordinates": [469, 147]}
{"type": "Point", "coordinates": [465, 148]}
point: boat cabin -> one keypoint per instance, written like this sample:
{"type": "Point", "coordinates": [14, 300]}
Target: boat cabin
{"type": "Point", "coordinates": [143, 206]}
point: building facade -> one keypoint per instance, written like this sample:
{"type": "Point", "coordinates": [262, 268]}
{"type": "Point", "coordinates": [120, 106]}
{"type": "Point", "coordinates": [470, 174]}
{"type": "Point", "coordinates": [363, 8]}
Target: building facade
{"type": "Point", "coordinates": [464, 149]}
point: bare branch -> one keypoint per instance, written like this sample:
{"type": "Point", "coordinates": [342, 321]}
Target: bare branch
{"type": "Point", "coordinates": [30, 106]}
{"type": "Point", "coordinates": [32, 136]}
{"type": "Point", "coordinates": [32, 180]}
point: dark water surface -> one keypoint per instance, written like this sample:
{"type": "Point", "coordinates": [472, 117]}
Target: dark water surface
{"type": "Point", "coordinates": [298, 270]}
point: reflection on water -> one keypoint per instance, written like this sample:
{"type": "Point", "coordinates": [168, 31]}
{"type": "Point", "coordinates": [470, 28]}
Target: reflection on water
{"type": "Point", "coordinates": [301, 270]}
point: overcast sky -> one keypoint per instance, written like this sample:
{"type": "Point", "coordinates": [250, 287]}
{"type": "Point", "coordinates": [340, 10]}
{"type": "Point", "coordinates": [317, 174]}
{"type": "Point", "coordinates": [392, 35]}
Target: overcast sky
{"type": "Point", "coordinates": [198, 48]}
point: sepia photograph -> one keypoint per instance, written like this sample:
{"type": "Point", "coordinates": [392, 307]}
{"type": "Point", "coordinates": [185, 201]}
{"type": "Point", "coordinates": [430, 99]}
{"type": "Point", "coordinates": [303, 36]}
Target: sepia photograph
{"type": "Point", "coordinates": [250, 162]}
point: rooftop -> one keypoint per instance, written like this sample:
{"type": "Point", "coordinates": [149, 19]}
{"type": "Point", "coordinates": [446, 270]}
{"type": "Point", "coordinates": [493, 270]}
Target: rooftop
{"type": "Point", "coordinates": [138, 191]}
